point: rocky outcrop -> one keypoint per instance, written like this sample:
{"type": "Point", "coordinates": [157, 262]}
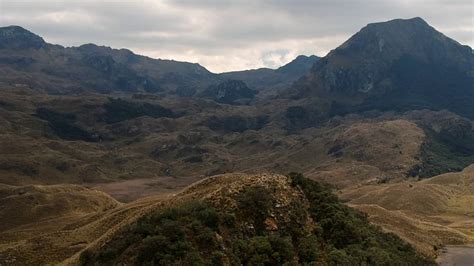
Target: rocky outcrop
{"type": "Point", "coordinates": [229, 92]}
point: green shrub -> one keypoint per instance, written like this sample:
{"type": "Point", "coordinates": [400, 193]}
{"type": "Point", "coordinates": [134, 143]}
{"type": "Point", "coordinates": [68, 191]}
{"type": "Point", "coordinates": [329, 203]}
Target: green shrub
{"type": "Point", "coordinates": [443, 153]}
{"type": "Point", "coordinates": [195, 233]}
{"type": "Point", "coordinates": [255, 203]}
{"type": "Point", "coordinates": [64, 125]}
{"type": "Point", "coordinates": [348, 233]}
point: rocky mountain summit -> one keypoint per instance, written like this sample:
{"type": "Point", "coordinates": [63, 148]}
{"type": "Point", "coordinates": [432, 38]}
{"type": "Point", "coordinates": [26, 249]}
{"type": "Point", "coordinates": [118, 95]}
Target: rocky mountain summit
{"type": "Point", "coordinates": [15, 37]}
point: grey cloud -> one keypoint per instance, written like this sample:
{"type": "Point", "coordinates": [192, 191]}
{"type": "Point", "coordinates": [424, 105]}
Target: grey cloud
{"type": "Point", "coordinates": [226, 35]}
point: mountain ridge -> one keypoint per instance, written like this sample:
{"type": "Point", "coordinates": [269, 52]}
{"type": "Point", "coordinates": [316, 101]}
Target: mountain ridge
{"type": "Point", "coordinates": [97, 68]}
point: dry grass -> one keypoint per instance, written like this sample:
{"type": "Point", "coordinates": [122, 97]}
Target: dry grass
{"type": "Point", "coordinates": [429, 214]}
{"type": "Point", "coordinates": [61, 238]}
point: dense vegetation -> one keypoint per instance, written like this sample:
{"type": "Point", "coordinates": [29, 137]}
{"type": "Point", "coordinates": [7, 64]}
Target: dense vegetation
{"type": "Point", "coordinates": [348, 237]}
{"type": "Point", "coordinates": [63, 125]}
{"type": "Point", "coordinates": [117, 110]}
{"type": "Point", "coordinates": [236, 123]}
{"type": "Point", "coordinates": [197, 233]}
{"type": "Point", "coordinates": [445, 152]}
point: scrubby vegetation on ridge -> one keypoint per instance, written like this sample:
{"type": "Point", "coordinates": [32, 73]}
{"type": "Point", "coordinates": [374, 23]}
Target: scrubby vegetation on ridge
{"type": "Point", "coordinates": [252, 233]}
{"type": "Point", "coordinates": [443, 153]}
{"type": "Point", "coordinates": [117, 110]}
{"type": "Point", "coordinates": [63, 125]}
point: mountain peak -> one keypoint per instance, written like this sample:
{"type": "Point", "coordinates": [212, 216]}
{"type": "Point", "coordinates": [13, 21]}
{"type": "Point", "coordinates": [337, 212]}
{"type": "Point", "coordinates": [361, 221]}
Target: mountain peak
{"type": "Point", "coordinates": [16, 37]}
{"type": "Point", "coordinates": [401, 63]}
{"type": "Point", "coordinates": [299, 65]}
{"type": "Point", "coordinates": [397, 37]}
{"type": "Point", "coordinates": [385, 42]}
{"type": "Point", "coordinates": [416, 21]}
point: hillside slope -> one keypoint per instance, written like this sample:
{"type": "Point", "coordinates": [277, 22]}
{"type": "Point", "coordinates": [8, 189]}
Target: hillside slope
{"type": "Point", "coordinates": [428, 214]}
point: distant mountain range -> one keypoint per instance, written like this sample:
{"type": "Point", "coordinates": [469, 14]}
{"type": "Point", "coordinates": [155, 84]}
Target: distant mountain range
{"type": "Point", "coordinates": [395, 65]}
{"type": "Point", "coordinates": [282, 77]}
{"type": "Point", "coordinates": [25, 58]}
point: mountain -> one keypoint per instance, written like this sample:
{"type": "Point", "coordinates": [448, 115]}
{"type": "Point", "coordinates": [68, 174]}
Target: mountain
{"type": "Point", "coordinates": [26, 60]}
{"type": "Point", "coordinates": [395, 65]}
{"type": "Point", "coordinates": [299, 65]}
{"type": "Point", "coordinates": [16, 38]}
{"type": "Point", "coordinates": [272, 80]}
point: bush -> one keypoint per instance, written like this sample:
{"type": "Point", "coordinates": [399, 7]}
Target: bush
{"type": "Point", "coordinates": [63, 125]}
{"type": "Point", "coordinates": [443, 153]}
{"type": "Point", "coordinates": [255, 203]}
{"type": "Point", "coordinates": [348, 232]}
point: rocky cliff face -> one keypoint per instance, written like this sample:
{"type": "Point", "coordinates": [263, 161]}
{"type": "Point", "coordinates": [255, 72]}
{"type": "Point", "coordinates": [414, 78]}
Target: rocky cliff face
{"type": "Point", "coordinates": [229, 92]}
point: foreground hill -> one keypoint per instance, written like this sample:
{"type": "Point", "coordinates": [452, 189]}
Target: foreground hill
{"type": "Point", "coordinates": [233, 218]}
{"type": "Point", "coordinates": [39, 203]}
{"type": "Point", "coordinates": [394, 65]}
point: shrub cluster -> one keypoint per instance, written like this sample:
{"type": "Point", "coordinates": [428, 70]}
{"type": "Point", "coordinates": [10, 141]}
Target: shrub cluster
{"type": "Point", "coordinates": [196, 233]}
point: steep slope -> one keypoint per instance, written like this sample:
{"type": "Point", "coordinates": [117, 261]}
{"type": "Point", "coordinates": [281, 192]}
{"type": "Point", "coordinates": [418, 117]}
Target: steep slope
{"type": "Point", "coordinates": [394, 65]}
{"type": "Point", "coordinates": [26, 60]}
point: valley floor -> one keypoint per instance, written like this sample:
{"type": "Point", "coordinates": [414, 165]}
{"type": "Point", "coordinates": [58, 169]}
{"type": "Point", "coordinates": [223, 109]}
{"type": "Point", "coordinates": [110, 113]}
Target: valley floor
{"type": "Point", "coordinates": [457, 255]}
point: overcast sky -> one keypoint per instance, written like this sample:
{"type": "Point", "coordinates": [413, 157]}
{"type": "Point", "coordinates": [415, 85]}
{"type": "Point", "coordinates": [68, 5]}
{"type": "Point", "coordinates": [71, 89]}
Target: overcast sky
{"type": "Point", "coordinates": [226, 35]}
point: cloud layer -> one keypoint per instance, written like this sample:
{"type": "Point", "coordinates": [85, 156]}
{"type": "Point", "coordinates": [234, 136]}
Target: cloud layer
{"type": "Point", "coordinates": [225, 35]}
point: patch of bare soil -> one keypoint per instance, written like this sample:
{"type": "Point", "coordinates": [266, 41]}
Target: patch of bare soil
{"type": "Point", "coordinates": [457, 255]}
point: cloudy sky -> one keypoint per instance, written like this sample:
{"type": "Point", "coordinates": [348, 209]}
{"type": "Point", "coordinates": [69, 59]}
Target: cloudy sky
{"type": "Point", "coordinates": [226, 35]}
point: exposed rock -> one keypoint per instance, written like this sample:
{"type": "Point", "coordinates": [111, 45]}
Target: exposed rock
{"type": "Point", "coordinates": [229, 92]}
